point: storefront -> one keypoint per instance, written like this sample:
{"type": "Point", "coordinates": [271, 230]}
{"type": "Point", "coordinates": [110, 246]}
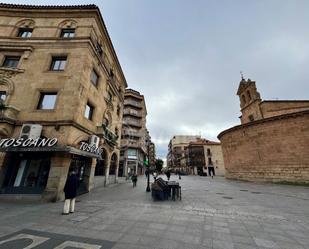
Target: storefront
{"type": "Point", "coordinates": [32, 169]}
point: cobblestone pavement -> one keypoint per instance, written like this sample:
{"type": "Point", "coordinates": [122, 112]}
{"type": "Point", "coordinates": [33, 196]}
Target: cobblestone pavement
{"type": "Point", "coordinates": [214, 213]}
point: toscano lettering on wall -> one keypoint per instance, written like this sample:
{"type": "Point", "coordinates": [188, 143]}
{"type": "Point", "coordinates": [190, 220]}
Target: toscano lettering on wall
{"type": "Point", "coordinates": [29, 142]}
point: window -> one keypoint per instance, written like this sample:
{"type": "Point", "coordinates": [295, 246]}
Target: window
{"type": "Point", "coordinates": [89, 111]}
{"type": "Point", "coordinates": [67, 33]}
{"type": "Point", "coordinates": [249, 95]}
{"type": "Point", "coordinates": [11, 61]}
{"type": "Point", "coordinates": [118, 110]}
{"type": "Point", "coordinates": [99, 48]}
{"type": "Point", "coordinates": [208, 152]}
{"type": "Point", "coordinates": [251, 118]}
{"type": "Point", "coordinates": [243, 99]}
{"type": "Point", "coordinates": [24, 32]}
{"type": "Point", "coordinates": [58, 63]}
{"type": "Point", "coordinates": [47, 101]}
{"type": "Point", "coordinates": [2, 96]}
{"type": "Point", "coordinates": [94, 78]}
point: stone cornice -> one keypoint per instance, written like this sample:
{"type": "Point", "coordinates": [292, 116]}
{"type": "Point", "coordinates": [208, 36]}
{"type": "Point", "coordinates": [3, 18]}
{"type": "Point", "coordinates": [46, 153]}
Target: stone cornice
{"type": "Point", "coordinates": [265, 120]}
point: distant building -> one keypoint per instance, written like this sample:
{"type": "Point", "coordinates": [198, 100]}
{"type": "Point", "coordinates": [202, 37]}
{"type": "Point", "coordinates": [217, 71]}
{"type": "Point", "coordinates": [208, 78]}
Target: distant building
{"type": "Point", "coordinates": [176, 157]}
{"type": "Point", "coordinates": [202, 153]}
{"type": "Point", "coordinates": [272, 142]}
{"type": "Point", "coordinates": [134, 134]}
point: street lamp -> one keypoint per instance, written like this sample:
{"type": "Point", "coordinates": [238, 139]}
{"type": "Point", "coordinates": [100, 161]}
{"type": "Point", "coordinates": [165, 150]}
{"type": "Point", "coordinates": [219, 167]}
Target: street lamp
{"type": "Point", "coordinates": [148, 167]}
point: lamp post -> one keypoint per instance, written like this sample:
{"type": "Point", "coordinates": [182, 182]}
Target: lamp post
{"type": "Point", "coordinates": [148, 168]}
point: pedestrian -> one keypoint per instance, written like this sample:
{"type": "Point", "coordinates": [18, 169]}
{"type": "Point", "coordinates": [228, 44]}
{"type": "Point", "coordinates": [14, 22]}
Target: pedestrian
{"type": "Point", "coordinates": [211, 170]}
{"type": "Point", "coordinates": [70, 192]}
{"type": "Point", "coordinates": [179, 175]}
{"type": "Point", "coordinates": [168, 174]}
{"type": "Point", "coordinates": [134, 179]}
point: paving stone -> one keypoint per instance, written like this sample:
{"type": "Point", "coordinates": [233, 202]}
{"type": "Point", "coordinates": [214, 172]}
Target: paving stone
{"type": "Point", "coordinates": [277, 218]}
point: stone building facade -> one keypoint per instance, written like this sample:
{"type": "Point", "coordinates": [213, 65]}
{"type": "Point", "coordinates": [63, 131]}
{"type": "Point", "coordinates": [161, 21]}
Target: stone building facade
{"type": "Point", "coordinates": [176, 157]}
{"type": "Point", "coordinates": [59, 79]}
{"type": "Point", "coordinates": [272, 142]}
{"type": "Point", "coordinates": [202, 153]}
{"type": "Point", "coordinates": [134, 133]}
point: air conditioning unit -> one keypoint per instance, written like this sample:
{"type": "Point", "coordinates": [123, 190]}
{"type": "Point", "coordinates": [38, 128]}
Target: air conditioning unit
{"type": "Point", "coordinates": [32, 131]}
{"type": "Point", "coordinates": [94, 140]}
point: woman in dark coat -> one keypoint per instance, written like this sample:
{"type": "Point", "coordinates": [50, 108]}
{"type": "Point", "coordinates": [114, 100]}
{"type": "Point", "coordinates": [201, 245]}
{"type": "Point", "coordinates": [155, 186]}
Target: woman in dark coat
{"type": "Point", "coordinates": [70, 192]}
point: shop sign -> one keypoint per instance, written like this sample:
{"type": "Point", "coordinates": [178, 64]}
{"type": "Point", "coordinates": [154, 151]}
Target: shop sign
{"type": "Point", "coordinates": [28, 142]}
{"type": "Point", "coordinates": [90, 148]}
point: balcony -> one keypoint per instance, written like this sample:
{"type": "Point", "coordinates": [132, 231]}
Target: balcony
{"type": "Point", "coordinates": [131, 133]}
{"type": "Point", "coordinates": [109, 137]}
{"type": "Point", "coordinates": [133, 103]}
{"type": "Point", "coordinates": [132, 122]}
{"type": "Point", "coordinates": [132, 113]}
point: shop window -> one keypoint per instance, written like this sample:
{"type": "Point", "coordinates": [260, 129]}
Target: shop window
{"type": "Point", "coordinates": [94, 78]}
{"type": "Point", "coordinates": [11, 61]}
{"type": "Point", "coordinates": [25, 32]}
{"type": "Point", "coordinates": [89, 111]}
{"type": "Point", "coordinates": [28, 174]}
{"type": "Point", "coordinates": [58, 63]}
{"type": "Point", "coordinates": [47, 101]}
{"type": "Point", "coordinates": [67, 33]}
{"type": "Point", "coordinates": [2, 96]}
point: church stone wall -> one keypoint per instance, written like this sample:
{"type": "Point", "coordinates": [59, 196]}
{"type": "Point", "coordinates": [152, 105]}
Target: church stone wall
{"type": "Point", "coordinates": [273, 149]}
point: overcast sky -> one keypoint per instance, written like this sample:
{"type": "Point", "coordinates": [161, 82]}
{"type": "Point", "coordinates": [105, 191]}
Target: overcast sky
{"type": "Point", "coordinates": [185, 57]}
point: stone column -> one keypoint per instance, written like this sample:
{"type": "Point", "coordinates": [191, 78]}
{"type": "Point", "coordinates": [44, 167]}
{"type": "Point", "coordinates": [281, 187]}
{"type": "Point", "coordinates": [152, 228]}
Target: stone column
{"type": "Point", "coordinates": [59, 167]}
{"type": "Point", "coordinates": [91, 174]}
{"type": "Point", "coordinates": [108, 161]}
{"type": "Point", "coordinates": [117, 170]}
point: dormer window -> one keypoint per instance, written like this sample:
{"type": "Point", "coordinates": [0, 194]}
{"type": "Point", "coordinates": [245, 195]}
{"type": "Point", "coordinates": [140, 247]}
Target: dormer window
{"type": "Point", "coordinates": [67, 33]}
{"type": "Point", "coordinates": [24, 33]}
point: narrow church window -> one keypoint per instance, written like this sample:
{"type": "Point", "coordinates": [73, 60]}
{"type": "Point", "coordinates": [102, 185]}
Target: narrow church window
{"type": "Point", "coordinates": [251, 118]}
{"type": "Point", "coordinates": [244, 99]}
{"type": "Point", "coordinates": [249, 95]}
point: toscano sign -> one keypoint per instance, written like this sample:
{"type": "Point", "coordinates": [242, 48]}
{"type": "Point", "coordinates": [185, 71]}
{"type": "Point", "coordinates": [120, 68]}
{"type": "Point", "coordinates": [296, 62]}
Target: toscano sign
{"type": "Point", "coordinates": [28, 142]}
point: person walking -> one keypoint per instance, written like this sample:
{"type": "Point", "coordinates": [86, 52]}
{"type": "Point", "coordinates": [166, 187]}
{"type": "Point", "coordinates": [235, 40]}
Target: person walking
{"type": "Point", "coordinates": [70, 192]}
{"type": "Point", "coordinates": [134, 179]}
{"type": "Point", "coordinates": [211, 170]}
{"type": "Point", "coordinates": [168, 174]}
